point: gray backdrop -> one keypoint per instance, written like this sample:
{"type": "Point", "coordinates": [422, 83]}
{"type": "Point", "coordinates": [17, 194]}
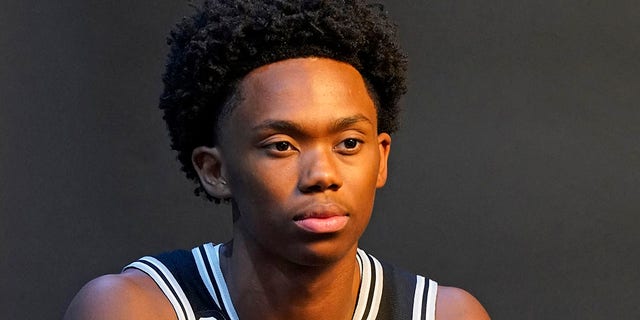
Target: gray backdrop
{"type": "Point", "coordinates": [515, 174]}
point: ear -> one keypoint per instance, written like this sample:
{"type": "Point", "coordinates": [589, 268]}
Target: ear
{"type": "Point", "coordinates": [210, 167]}
{"type": "Point", "coordinates": [384, 146]}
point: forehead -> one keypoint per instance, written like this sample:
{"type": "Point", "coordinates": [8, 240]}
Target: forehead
{"type": "Point", "coordinates": [290, 71]}
{"type": "Point", "coordinates": [297, 88]}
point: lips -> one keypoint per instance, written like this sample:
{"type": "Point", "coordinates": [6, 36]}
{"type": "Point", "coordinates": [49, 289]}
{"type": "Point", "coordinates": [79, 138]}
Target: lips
{"type": "Point", "coordinates": [322, 218]}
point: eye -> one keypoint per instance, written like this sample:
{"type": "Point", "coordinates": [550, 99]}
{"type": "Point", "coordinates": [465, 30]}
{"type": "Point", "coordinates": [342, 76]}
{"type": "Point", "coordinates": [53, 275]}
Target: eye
{"type": "Point", "coordinates": [350, 143]}
{"type": "Point", "coordinates": [349, 146]}
{"type": "Point", "coordinates": [282, 146]}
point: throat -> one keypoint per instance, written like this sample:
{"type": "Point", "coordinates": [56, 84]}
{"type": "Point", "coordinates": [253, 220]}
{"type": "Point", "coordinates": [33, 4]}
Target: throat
{"type": "Point", "coordinates": [275, 291]}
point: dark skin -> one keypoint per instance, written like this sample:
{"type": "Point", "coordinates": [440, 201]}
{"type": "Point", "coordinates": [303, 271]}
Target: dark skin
{"type": "Point", "coordinates": [302, 159]}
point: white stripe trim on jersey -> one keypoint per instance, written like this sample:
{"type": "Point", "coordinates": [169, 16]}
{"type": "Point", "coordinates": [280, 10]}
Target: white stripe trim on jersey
{"type": "Point", "coordinates": [164, 286]}
{"type": "Point", "coordinates": [431, 300]}
{"type": "Point", "coordinates": [204, 275]}
{"type": "Point", "coordinates": [368, 286]}
{"type": "Point", "coordinates": [214, 262]}
{"type": "Point", "coordinates": [417, 298]}
{"type": "Point", "coordinates": [377, 289]}
{"type": "Point", "coordinates": [365, 283]}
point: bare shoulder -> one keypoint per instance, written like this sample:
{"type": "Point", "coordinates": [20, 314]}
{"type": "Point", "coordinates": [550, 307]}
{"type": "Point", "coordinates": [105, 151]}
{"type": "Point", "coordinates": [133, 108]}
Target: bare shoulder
{"type": "Point", "coordinates": [455, 303]}
{"type": "Point", "coordinates": [129, 295]}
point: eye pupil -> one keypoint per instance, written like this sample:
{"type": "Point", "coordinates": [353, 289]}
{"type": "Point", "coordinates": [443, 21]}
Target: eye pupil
{"type": "Point", "coordinates": [350, 143]}
{"type": "Point", "coordinates": [282, 146]}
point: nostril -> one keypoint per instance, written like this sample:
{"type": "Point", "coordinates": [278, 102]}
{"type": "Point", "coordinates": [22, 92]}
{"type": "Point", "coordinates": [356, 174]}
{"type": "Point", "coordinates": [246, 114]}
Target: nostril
{"type": "Point", "coordinates": [333, 187]}
{"type": "Point", "coordinates": [313, 188]}
{"type": "Point", "coordinates": [320, 188]}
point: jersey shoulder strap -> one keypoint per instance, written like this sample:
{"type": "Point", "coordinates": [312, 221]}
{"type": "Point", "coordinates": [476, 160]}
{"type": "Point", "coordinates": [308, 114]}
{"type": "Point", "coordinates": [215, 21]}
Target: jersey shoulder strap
{"type": "Point", "coordinates": [406, 295]}
{"type": "Point", "coordinates": [178, 277]}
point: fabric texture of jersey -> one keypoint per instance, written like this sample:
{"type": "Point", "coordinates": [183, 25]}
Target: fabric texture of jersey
{"type": "Point", "coordinates": [194, 284]}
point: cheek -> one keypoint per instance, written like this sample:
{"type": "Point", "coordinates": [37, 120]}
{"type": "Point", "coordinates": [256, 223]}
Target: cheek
{"type": "Point", "coordinates": [262, 182]}
{"type": "Point", "coordinates": [363, 177]}
{"type": "Point", "coordinates": [371, 169]}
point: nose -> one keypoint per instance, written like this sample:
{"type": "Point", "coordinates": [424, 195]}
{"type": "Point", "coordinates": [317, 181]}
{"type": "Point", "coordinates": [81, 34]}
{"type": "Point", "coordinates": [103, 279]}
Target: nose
{"type": "Point", "coordinates": [319, 172]}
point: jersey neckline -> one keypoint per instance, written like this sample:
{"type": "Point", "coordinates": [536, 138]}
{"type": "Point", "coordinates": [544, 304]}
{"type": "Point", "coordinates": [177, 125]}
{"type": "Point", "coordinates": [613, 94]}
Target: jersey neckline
{"type": "Point", "coordinates": [369, 291]}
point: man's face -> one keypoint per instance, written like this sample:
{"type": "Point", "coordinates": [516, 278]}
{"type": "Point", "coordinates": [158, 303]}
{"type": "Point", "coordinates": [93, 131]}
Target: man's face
{"type": "Point", "coordinates": [303, 160]}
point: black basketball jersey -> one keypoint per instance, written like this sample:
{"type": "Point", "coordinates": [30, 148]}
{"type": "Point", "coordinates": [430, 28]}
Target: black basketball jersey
{"type": "Point", "coordinates": [194, 284]}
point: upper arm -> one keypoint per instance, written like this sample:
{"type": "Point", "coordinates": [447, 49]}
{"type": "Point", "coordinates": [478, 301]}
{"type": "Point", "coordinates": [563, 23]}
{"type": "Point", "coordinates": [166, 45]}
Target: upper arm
{"type": "Point", "coordinates": [121, 296]}
{"type": "Point", "coordinates": [454, 303]}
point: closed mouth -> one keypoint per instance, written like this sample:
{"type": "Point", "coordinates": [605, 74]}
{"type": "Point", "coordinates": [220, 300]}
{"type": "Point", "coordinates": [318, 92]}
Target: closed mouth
{"type": "Point", "coordinates": [322, 218]}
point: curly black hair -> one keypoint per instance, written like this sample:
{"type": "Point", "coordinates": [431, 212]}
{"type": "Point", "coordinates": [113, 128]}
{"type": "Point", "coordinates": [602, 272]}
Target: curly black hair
{"type": "Point", "coordinates": [212, 50]}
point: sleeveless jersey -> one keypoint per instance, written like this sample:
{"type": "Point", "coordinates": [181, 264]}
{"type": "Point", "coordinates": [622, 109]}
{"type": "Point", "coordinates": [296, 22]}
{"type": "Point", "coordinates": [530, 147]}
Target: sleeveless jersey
{"type": "Point", "coordinates": [194, 284]}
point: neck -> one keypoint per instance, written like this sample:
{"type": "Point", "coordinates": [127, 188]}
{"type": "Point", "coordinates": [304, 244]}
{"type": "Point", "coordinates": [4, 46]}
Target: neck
{"type": "Point", "coordinates": [264, 286]}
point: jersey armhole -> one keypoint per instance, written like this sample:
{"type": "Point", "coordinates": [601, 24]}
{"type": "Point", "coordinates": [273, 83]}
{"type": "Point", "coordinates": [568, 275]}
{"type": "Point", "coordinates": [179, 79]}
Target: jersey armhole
{"type": "Point", "coordinates": [167, 283]}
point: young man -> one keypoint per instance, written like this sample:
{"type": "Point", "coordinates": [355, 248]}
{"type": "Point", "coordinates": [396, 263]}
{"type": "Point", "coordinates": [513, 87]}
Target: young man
{"type": "Point", "coordinates": [284, 109]}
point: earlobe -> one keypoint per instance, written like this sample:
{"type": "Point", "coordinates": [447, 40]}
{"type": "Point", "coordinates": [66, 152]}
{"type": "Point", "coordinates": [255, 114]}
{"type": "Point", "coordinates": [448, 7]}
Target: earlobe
{"type": "Point", "coordinates": [209, 165]}
{"type": "Point", "coordinates": [384, 146]}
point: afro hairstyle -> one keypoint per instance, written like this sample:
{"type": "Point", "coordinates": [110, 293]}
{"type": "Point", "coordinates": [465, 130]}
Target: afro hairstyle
{"type": "Point", "coordinates": [212, 50]}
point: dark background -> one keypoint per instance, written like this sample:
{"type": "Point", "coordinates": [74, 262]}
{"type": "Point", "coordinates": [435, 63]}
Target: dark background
{"type": "Point", "coordinates": [515, 175]}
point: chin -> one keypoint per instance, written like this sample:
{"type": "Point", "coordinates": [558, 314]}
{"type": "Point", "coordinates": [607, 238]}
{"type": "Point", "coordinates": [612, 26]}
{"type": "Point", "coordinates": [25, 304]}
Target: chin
{"type": "Point", "coordinates": [321, 253]}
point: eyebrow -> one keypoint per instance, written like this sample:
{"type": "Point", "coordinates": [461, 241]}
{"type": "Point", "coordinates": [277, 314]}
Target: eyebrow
{"type": "Point", "coordinates": [343, 123]}
{"type": "Point", "coordinates": [293, 127]}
